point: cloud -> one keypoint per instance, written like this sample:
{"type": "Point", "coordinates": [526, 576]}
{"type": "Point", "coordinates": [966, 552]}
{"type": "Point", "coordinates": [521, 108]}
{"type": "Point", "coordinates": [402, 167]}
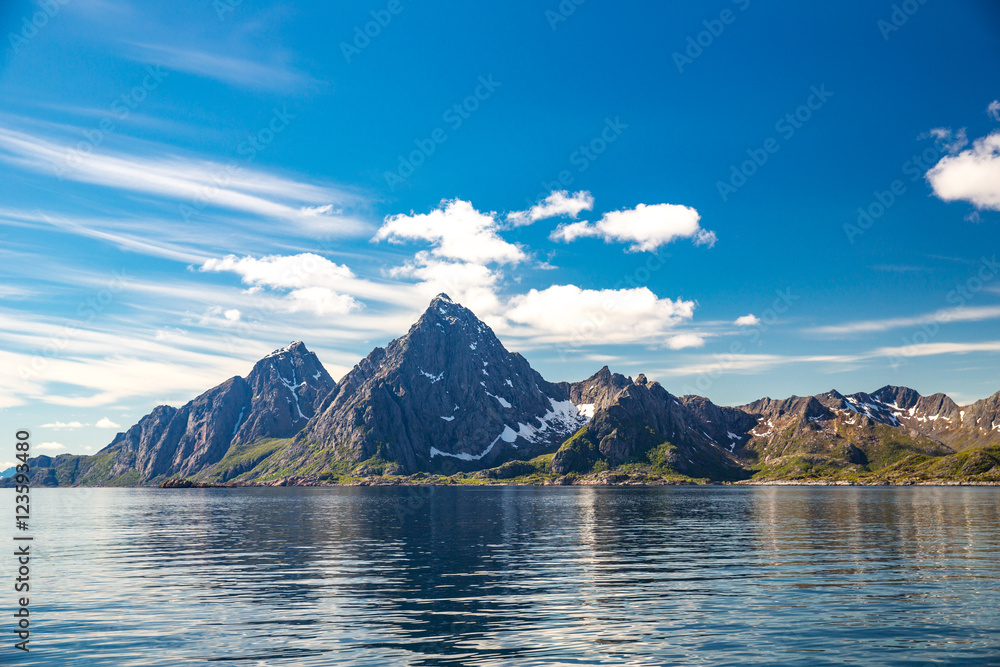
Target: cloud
{"type": "Point", "coordinates": [228, 69]}
{"type": "Point", "coordinates": [960, 314]}
{"type": "Point", "coordinates": [456, 230]}
{"type": "Point", "coordinates": [994, 110]}
{"type": "Point", "coordinates": [557, 204]}
{"type": "Point", "coordinates": [307, 281]}
{"type": "Point", "coordinates": [646, 227]}
{"type": "Point", "coordinates": [50, 446]}
{"type": "Point", "coordinates": [972, 175]}
{"type": "Point", "coordinates": [60, 426]}
{"type": "Point", "coordinates": [682, 341]}
{"type": "Point", "coordinates": [750, 320]}
{"type": "Point", "coordinates": [194, 183]}
{"type": "Point", "coordinates": [472, 285]}
{"type": "Point", "coordinates": [104, 422]}
{"type": "Point", "coordinates": [568, 314]}
{"type": "Point", "coordinates": [930, 349]}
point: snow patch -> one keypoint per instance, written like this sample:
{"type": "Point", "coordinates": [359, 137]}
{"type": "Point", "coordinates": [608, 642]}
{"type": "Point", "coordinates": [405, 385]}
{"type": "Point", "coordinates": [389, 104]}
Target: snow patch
{"type": "Point", "coordinates": [293, 387]}
{"type": "Point", "coordinates": [500, 399]}
{"type": "Point", "coordinates": [433, 378]}
{"type": "Point", "coordinates": [448, 419]}
{"type": "Point", "coordinates": [239, 421]}
{"type": "Point", "coordinates": [586, 409]}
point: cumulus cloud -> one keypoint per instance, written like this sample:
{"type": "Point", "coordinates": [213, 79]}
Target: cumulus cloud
{"type": "Point", "coordinates": [50, 446]}
{"type": "Point", "coordinates": [972, 175]}
{"type": "Point", "coordinates": [104, 422]}
{"type": "Point", "coordinates": [571, 315]}
{"type": "Point", "coordinates": [750, 320]}
{"type": "Point", "coordinates": [59, 426]}
{"type": "Point", "coordinates": [307, 281]}
{"type": "Point", "coordinates": [557, 204]}
{"type": "Point", "coordinates": [994, 110]}
{"type": "Point", "coordinates": [681, 341]}
{"type": "Point", "coordinates": [646, 227]}
{"type": "Point", "coordinates": [456, 230]}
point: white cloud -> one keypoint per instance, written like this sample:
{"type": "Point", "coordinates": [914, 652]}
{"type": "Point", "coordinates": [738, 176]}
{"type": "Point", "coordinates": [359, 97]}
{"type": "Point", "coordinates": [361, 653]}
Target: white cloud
{"type": "Point", "coordinates": [994, 110]}
{"type": "Point", "coordinates": [456, 230]}
{"type": "Point", "coordinates": [194, 183]}
{"type": "Point", "coordinates": [50, 446]}
{"type": "Point", "coordinates": [60, 426]}
{"type": "Point", "coordinates": [472, 285]}
{"type": "Point", "coordinates": [960, 314]}
{"type": "Point", "coordinates": [646, 227]}
{"type": "Point", "coordinates": [972, 175]}
{"type": "Point", "coordinates": [557, 204]}
{"type": "Point", "coordinates": [930, 349]}
{"type": "Point", "coordinates": [682, 341]}
{"type": "Point", "coordinates": [567, 314]}
{"type": "Point", "coordinates": [750, 320]}
{"type": "Point", "coordinates": [104, 422]}
{"type": "Point", "coordinates": [309, 282]}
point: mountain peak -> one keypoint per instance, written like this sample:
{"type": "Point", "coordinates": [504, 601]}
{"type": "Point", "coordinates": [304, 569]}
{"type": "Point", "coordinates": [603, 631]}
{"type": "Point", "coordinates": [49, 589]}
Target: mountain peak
{"type": "Point", "coordinates": [295, 347]}
{"type": "Point", "coordinates": [442, 298]}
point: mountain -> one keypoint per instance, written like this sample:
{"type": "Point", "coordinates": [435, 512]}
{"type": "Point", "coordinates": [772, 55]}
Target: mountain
{"type": "Point", "coordinates": [640, 422]}
{"type": "Point", "coordinates": [9, 472]}
{"type": "Point", "coordinates": [446, 396]}
{"type": "Point", "coordinates": [275, 400]}
{"type": "Point", "coordinates": [448, 402]}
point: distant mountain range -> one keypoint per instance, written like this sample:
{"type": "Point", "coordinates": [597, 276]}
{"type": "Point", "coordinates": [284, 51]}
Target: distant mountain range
{"type": "Point", "coordinates": [448, 403]}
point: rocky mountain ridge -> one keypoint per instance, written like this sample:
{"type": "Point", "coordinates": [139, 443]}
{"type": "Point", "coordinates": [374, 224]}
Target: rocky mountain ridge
{"type": "Point", "coordinates": [448, 398]}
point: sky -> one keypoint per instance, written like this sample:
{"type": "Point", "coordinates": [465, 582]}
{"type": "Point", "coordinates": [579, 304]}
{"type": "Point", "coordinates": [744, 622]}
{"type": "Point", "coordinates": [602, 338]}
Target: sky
{"type": "Point", "coordinates": [737, 198]}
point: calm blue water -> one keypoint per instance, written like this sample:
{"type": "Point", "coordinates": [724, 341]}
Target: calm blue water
{"type": "Point", "coordinates": [501, 576]}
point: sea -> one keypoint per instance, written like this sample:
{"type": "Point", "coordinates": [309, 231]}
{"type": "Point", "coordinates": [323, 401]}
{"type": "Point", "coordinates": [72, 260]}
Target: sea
{"type": "Point", "coordinates": [507, 575]}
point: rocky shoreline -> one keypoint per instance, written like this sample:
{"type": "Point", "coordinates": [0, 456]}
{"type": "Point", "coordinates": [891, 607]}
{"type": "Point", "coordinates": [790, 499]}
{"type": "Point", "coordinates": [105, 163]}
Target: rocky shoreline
{"type": "Point", "coordinates": [605, 480]}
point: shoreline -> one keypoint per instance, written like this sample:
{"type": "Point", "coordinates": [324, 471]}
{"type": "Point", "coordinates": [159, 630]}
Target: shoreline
{"type": "Point", "coordinates": [311, 483]}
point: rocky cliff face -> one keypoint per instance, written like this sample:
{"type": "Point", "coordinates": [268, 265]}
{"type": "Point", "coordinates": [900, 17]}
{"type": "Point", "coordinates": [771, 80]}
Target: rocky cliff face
{"type": "Point", "coordinates": [275, 400]}
{"type": "Point", "coordinates": [447, 395]}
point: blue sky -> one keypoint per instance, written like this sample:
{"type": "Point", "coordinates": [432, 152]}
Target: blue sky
{"type": "Point", "coordinates": [736, 198]}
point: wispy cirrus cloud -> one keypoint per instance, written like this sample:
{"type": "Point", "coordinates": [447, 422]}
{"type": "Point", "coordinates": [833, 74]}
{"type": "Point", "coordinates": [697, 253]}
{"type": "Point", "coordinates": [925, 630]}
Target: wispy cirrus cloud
{"type": "Point", "coordinates": [229, 69]}
{"type": "Point", "coordinates": [189, 181]}
{"type": "Point", "coordinates": [960, 314]}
